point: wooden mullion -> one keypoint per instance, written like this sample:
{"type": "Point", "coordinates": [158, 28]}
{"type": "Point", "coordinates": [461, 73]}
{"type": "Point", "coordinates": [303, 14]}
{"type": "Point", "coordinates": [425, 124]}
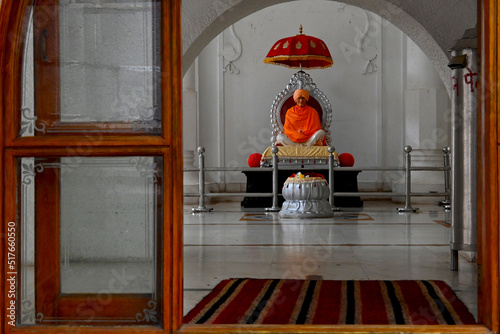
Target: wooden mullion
{"type": "Point", "coordinates": [70, 152]}
{"type": "Point", "coordinates": [482, 300]}
{"type": "Point", "coordinates": [46, 61]}
{"type": "Point", "coordinates": [169, 64]}
{"type": "Point", "coordinates": [57, 128]}
{"type": "Point", "coordinates": [88, 142]}
{"type": "Point", "coordinates": [160, 248]}
{"type": "Point", "coordinates": [167, 265]}
{"type": "Point", "coordinates": [47, 240]}
{"type": "Point", "coordinates": [169, 289]}
{"type": "Point", "coordinates": [177, 186]}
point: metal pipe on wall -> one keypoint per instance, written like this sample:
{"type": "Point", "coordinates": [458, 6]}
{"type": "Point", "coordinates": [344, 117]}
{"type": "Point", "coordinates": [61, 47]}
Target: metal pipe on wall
{"type": "Point", "coordinates": [463, 146]}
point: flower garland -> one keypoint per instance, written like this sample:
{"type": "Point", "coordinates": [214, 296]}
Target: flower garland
{"type": "Point", "coordinates": [310, 174]}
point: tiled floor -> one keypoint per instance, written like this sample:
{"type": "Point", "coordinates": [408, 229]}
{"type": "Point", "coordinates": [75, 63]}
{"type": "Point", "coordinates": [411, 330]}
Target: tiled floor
{"type": "Point", "coordinates": [373, 242]}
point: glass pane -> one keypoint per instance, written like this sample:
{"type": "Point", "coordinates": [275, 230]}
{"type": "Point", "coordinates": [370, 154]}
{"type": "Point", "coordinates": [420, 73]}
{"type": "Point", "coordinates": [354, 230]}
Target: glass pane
{"type": "Point", "coordinates": [108, 53]}
{"type": "Point", "coordinates": [92, 66]}
{"type": "Point", "coordinates": [108, 217]}
{"type": "Point", "coordinates": [108, 225]}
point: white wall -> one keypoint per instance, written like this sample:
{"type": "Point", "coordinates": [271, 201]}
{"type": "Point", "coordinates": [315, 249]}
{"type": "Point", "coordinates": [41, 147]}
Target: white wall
{"type": "Point", "coordinates": [372, 116]}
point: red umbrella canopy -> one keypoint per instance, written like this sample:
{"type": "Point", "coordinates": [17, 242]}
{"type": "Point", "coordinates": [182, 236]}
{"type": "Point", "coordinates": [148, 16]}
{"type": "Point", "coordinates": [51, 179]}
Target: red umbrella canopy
{"type": "Point", "coordinates": [300, 51]}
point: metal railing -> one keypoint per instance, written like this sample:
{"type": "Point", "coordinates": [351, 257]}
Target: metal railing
{"type": "Point", "coordinates": [407, 171]}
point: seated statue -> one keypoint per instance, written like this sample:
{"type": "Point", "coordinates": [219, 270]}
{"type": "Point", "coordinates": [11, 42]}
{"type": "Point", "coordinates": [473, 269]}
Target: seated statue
{"type": "Point", "coordinates": [302, 124]}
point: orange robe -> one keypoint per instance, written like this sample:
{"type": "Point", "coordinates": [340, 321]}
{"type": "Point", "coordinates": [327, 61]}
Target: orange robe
{"type": "Point", "coordinates": [305, 118]}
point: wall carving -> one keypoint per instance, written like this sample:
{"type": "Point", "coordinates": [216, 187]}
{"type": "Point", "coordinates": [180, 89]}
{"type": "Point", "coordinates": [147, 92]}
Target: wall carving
{"type": "Point", "coordinates": [232, 51]}
{"type": "Point", "coordinates": [367, 52]}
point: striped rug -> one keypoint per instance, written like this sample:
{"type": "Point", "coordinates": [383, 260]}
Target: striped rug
{"type": "Point", "coordinates": [278, 301]}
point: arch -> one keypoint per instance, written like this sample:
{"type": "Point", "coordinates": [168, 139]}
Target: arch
{"type": "Point", "coordinates": [434, 29]}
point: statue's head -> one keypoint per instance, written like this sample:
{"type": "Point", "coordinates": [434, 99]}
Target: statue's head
{"type": "Point", "coordinates": [301, 96]}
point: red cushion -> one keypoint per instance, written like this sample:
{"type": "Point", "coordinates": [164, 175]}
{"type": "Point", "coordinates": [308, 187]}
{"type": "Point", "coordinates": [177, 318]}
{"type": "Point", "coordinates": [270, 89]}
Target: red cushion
{"type": "Point", "coordinates": [254, 160]}
{"type": "Point", "coordinates": [346, 160]}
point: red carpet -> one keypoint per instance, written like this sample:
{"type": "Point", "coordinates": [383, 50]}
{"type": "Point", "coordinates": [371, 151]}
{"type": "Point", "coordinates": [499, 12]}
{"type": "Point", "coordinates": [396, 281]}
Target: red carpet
{"type": "Point", "coordinates": [275, 301]}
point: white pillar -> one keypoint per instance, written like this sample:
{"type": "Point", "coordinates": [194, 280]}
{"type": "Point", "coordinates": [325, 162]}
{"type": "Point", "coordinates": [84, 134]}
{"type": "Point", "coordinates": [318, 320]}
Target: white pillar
{"type": "Point", "coordinates": [189, 129]}
{"type": "Point", "coordinates": [189, 110]}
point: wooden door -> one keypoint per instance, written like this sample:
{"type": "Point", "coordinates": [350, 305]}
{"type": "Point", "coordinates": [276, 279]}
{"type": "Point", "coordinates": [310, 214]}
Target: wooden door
{"type": "Point", "coordinates": [90, 150]}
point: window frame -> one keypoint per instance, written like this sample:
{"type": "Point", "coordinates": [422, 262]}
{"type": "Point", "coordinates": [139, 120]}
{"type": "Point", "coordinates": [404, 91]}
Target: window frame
{"type": "Point", "coordinates": [166, 145]}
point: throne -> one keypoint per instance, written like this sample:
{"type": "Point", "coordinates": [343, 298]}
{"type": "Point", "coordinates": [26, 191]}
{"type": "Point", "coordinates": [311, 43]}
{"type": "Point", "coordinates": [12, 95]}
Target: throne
{"type": "Point", "coordinates": [301, 155]}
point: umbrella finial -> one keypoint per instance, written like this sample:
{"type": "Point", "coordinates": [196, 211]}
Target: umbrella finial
{"type": "Point", "coordinates": [300, 30]}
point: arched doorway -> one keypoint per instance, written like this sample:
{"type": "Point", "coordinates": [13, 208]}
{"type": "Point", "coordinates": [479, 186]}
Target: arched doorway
{"type": "Point", "coordinates": [265, 91]}
{"type": "Point", "coordinates": [10, 21]}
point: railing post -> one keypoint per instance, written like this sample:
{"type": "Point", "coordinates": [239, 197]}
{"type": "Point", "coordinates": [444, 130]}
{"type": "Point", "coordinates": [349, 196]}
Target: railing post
{"type": "Point", "coordinates": [446, 203]}
{"type": "Point", "coordinates": [453, 260]}
{"type": "Point", "coordinates": [275, 207]}
{"type": "Point", "coordinates": [331, 176]}
{"type": "Point", "coordinates": [407, 207]}
{"type": "Point", "coordinates": [201, 186]}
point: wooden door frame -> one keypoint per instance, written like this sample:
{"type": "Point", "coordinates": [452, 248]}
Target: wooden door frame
{"type": "Point", "coordinates": [488, 172]}
{"type": "Point", "coordinates": [168, 145]}
{"type": "Point", "coordinates": [488, 153]}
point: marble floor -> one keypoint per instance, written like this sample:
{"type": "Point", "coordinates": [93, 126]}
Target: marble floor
{"type": "Point", "coordinates": [370, 243]}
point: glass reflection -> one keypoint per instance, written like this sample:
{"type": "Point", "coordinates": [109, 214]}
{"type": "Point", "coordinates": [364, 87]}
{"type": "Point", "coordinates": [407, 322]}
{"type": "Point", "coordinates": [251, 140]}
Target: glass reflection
{"type": "Point", "coordinates": [91, 66]}
{"type": "Point", "coordinates": [108, 225]}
